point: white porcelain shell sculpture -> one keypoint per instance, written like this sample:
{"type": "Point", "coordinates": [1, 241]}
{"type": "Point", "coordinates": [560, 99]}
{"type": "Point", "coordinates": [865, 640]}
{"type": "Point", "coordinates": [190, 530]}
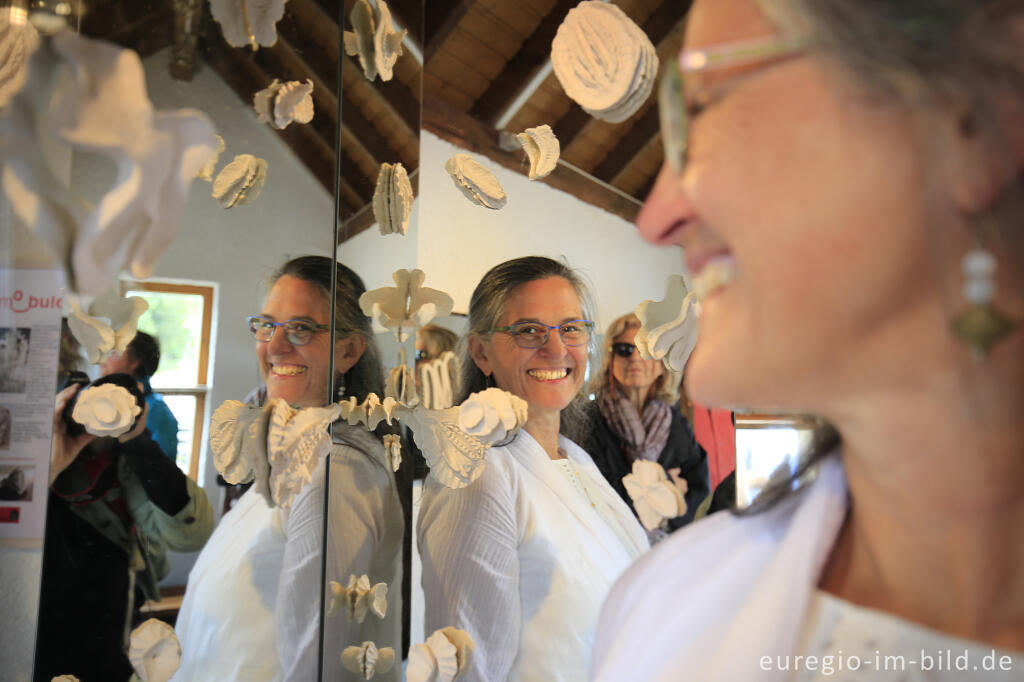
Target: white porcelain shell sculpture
{"type": "Point", "coordinates": [604, 61]}
{"type": "Point", "coordinates": [18, 40]}
{"type": "Point", "coordinates": [655, 497]}
{"type": "Point", "coordinates": [206, 172]}
{"type": "Point", "coordinates": [401, 385]}
{"type": "Point", "coordinates": [154, 651]}
{"type": "Point", "coordinates": [101, 107]}
{"type": "Point", "coordinates": [240, 182]}
{"type": "Point", "coordinates": [297, 441]}
{"type": "Point", "coordinates": [442, 658]}
{"type": "Point", "coordinates": [248, 22]}
{"type": "Point", "coordinates": [392, 199]}
{"type": "Point", "coordinates": [393, 450]}
{"type": "Point", "coordinates": [437, 379]}
{"type": "Point", "coordinates": [542, 148]}
{"type": "Point", "coordinates": [109, 326]}
{"type": "Point", "coordinates": [476, 182]}
{"type": "Point", "coordinates": [455, 458]}
{"type": "Point", "coordinates": [669, 327]}
{"type": "Point", "coordinates": [492, 414]}
{"type": "Point", "coordinates": [238, 441]}
{"type": "Point", "coordinates": [358, 598]}
{"type": "Point", "coordinates": [367, 660]}
{"type": "Point", "coordinates": [370, 413]}
{"type": "Point", "coordinates": [281, 104]}
{"type": "Point", "coordinates": [406, 306]}
{"type": "Point", "coordinates": [373, 39]}
{"type": "Point", "coordinates": [106, 410]}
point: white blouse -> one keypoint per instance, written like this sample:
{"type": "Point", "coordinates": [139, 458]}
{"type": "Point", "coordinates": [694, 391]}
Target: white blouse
{"type": "Point", "coordinates": [522, 561]}
{"type": "Point", "coordinates": [251, 609]}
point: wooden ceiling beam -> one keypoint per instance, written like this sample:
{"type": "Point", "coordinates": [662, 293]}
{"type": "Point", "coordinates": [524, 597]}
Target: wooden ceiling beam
{"type": "Point", "coordinates": [441, 19]}
{"type": "Point", "coordinates": [642, 132]}
{"type": "Point", "coordinates": [521, 68]}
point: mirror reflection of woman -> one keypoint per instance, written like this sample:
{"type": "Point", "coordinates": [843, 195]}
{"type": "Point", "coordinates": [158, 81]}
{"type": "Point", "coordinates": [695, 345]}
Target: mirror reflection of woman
{"type": "Point", "coordinates": [252, 606]}
{"type": "Point", "coordinates": [523, 556]}
{"type": "Point", "coordinates": [635, 417]}
{"type": "Point", "coordinates": [851, 176]}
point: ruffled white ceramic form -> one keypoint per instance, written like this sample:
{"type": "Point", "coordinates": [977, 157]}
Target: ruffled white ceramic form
{"type": "Point", "coordinates": [492, 414]}
{"type": "Point", "coordinates": [18, 40]}
{"type": "Point", "coordinates": [366, 660]}
{"type": "Point", "coordinates": [281, 104]}
{"type": "Point", "coordinates": [475, 181]}
{"type": "Point", "coordinates": [240, 182]}
{"type": "Point", "coordinates": [406, 306]}
{"type": "Point", "coordinates": [442, 658]}
{"type": "Point", "coordinates": [297, 439]}
{"type": "Point", "coordinates": [542, 148]}
{"type": "Point", "coordinates": [401, 385]}
{"type": "Point", "coordinates": [251, 23]}
{"type": "Point", "coordinates": [238, 441]}
{"type": "Point", "coordinates": [106, 410]}
{"type": "Point", "coordinates": [109, 326]}
{"type": "Point", "coordinates": [393, 450]}
{"type": "Point", "coordinates": [655, 497]}
{"type": "Point", "coordinates": [206, 172]}
{"type": "Point", "coordinates": [604, 61]}
{"type": "Point", "coordinates": [437, 381]}
{"type": "Point", "coordinates": [669, 327]}
{"type": "Point", "coordinates": [154, 651]}
{"type": "Point", "coordinates": [358, 598]}
{"type": "Point", "coordinates": [373, 39]}
{"type": "Point", "coordinates": [392, 199]}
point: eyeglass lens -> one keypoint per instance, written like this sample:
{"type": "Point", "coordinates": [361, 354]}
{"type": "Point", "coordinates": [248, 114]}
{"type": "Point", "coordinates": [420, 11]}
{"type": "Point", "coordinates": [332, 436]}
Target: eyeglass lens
{"type": "Point", "coordinates": [297, 332]}
{"type": "Point", "coordinates": [535, 335]}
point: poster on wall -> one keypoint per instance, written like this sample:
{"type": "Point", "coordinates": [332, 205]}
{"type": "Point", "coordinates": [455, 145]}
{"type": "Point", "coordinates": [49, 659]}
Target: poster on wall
{"type": "Point", "coordinates": [30, 313]}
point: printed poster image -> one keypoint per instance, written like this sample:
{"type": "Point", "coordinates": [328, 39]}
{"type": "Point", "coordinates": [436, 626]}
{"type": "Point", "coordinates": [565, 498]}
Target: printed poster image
{"type": "Point", "coordinates": [14, 345]}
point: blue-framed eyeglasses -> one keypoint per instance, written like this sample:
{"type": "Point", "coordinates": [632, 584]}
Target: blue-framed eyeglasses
{"type": "Point", "coordinates": [535, 334]}
{"type": "Point", "coordinates": [298, 332]}
{"type": "Point", "coordinates": [676, 111]}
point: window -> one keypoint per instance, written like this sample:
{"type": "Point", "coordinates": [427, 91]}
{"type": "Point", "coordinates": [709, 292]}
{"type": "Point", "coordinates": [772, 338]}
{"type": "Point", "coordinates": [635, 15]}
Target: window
{"type": "Point", "coordinates": [180, 317]}
{"type": "Point", "coordinates": [769, 448]}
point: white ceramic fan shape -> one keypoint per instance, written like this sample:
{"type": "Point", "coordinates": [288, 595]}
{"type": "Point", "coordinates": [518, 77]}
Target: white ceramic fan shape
{"type": "Point", "coordinates": [655, 497]}
{"type": "Point", "coordinates": [476, 182]}
{"type": "Point", "coordinates": [669, 327]}
{"type": "Point", "coordinates": [542, 148]}
{"type": "Point", "coordinates": [366, 659]}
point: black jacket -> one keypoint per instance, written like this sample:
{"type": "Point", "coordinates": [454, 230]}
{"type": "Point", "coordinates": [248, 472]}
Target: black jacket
{"type": "Point", "coordinates": [681, 450]}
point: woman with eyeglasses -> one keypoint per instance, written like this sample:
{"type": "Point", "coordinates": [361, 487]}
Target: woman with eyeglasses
{"type": "Point", "coordinates": [846, 180]}
{"type": "Point", "coordinates": [252, 606]}
{"type": "Point", "coordinates": [635, 417]}
{"type": "Point", "coordinates": [523, 556]}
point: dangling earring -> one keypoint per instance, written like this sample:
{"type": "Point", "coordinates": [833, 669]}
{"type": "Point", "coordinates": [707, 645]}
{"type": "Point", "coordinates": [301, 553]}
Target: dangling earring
{"type": "Point", "coordinates": [489, 381]}
{"type": "Point", "coordinates": [339, 391]}
{"type": "Point", "coordinates": [982, 324]}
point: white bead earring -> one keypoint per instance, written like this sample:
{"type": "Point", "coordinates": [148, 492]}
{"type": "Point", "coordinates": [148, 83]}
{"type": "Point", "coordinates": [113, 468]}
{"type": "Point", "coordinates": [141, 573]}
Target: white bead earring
{"type": "Point", "coordinates": [982, 325]}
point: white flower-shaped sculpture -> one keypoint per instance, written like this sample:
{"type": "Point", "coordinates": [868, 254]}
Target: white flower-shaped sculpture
{"type": "Point", "coordinates": [393, 449]}
{"type": "Point", "coordinates": [370, 413]}
{"type": "Point", "coordinates": [442, 658]}
{"type": "Point", "coordinates": [373, 39]}
{"type": "Point", "coordinates": [358, 598]}
{"type": "Point", "coordinates": [474, 180]}
{"type": "Point", "coordinates": [238, 441]}
{"type": "Point", "coordinates": [18, 40]}
{"type": "Point", "coordinates": [492, 414]}
{"type": "Point", "coordinates": [297, 439]}
{"type": "Point", "coordinates": [106, 410]}
{"type": "Point", "coordinates": [102, 108]}
{"type": "Point", "coordinates": [154, 651]}
{"type": "Point", "coordinates": [406, 306]}
{"type": "Point", "coordinates": [248, 22]}
{"type": "Point", "coordinates": [655, 497]}
{"type": "Point", "coordinates": [109, 326]}
{"type": "Point", "coordinates": [240, 182]}
{"type": "Point", "coordinates": [669, 327]}
{"type": "Point", "coordinates": [367, 660]}
{"type": "Point", "coordinates": [542, 148]}
{"type": "Point", "coordinates": [281, 104]}
{"type": "Point", "coordinates": [393, 199]}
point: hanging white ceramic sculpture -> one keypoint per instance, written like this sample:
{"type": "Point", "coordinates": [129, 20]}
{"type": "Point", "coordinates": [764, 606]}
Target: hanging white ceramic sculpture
{"type": "Point", "coordinates": [154, 651]}
{"type": "Point", "coordinates": [476, 182]}
{"type": "Point", "coordinates": [442, 658]}
{"type": "Point", "coordinates": [401, 385]}
{"type": "Point", "coordinates": [280, 104]}
{"type": "Point", "coordinates": [370, 413]}
{"type": "Point", "coordinates": [407, 306]}
{"type": "Point", "coordinates": [655, 497]}
{"type": "Point", "coordinates": [358, 598]}
{"type": "Point", "coordinates": [106, 410]}
{"type": "Point", "coordinates": [109, 326]}
{"type": "Point", "coordinates": [240, 182]}
{"type": "Point", "coordinates": [18, 40]}
{"type": "Point", "coordinates": [437, 380]}
{"type": "Point", "coordinates": [492, 414]}
{"type": "Point", "coordinates": [669, 327]}
{"type": "Point", "coordinates": [373, 39]}
{"type": "Point", "coordinates": [248, 22]}
{"type": "Point", "coordinates": [392, 199]}
{"type": "Point", "coordinates": [367, 660]}
{"type": "Point", "coordinates": [297, 440]}
{"type": "Point", "coordinates": [604, 61]}
{"type": "Point", "coordinates": [91, 96]}
{"type": "Point", "coordinates": [238, 441]}
{"type": "Point", "coordinates": [206, 172]}
{"type": "Point", "coordinates": [542, 148]}
{"type": "Point", "coordinates": [393, 450]}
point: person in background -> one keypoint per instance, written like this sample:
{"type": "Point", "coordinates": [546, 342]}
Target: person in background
{"type": "Point", "coordinates": [635, 417]}
{"type": "Point", "coordinates": [141, 359]}
{"type": "Point", "coordinates": [432, 340]}
{"type": "Point", "coordinates": [846, 181]}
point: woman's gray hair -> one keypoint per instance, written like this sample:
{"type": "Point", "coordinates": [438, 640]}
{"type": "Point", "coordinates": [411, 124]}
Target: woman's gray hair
{"type": "Point", "coordinates": [665, 388]}
{"type": "Point", "coordinates": [367, 375]}
{"type": "Point", "coordinates": [486, 308]}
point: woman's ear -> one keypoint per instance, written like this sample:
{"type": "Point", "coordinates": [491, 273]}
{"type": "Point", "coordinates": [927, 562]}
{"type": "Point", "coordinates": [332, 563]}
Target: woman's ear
{"type": "Point", "coordinates": [347, 352]}
{"type": "Point", "coordinates": [478, 351]}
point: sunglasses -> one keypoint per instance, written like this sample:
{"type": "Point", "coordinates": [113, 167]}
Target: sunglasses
{"type": "Point", "coordinates": [298, 332]}
{"type": "Point", "coordinates": [535, 334]}
{"type": "Point", "coordinates": [623, 350]}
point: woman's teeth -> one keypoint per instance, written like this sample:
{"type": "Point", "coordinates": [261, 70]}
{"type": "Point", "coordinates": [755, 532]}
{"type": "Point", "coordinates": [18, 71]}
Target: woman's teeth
{"type": "Point", "coordinates": [548, 374]}
{"type": "Point", "coordinates": [287, 370]}
{"type": "Point", "coordinates": [716, 274]}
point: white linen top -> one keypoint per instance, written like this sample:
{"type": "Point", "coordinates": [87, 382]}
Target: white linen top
{"type": "Point", "coordinates": [251, 609]}
{"type": "Point", "coordinates": [521, 560]}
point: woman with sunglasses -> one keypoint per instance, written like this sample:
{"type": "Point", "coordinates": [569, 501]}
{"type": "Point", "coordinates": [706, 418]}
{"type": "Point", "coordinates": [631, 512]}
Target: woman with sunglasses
{"type": "Point", "coordinates": [523, 556]}
{"type": "Point", "coordinates": [846, 180]}
{"type": "Point", "coordinates": [252, 606]}
{"type": "Point", "coordinates": [635, 417]}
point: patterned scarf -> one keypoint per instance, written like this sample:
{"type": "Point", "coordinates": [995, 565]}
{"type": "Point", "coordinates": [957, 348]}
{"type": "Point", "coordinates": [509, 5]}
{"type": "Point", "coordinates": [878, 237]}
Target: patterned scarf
{"type": "Point", "coordinates": [644, 435]}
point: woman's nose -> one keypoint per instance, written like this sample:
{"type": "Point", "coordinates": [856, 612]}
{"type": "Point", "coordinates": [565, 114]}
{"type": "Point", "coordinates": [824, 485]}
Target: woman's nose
{"type": "Point", "coordinates": [278, 342]}
{"type": "Point", "coordinates": [555, 343]}
{"type": "Point", "coordinates": [666, 208]}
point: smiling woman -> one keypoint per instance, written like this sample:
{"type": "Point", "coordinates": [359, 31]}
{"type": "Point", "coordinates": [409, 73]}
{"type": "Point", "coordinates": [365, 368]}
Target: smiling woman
{"type": "Point", "coordinates": [502, 558]}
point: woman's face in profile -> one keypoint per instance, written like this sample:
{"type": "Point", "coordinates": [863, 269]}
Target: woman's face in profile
{"type": "Point", "coordinates": [298, 374]}
{"type": "Point", "coordinates": [549, 377]}
{"type": "Point", "coordinates": [634, 373]}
